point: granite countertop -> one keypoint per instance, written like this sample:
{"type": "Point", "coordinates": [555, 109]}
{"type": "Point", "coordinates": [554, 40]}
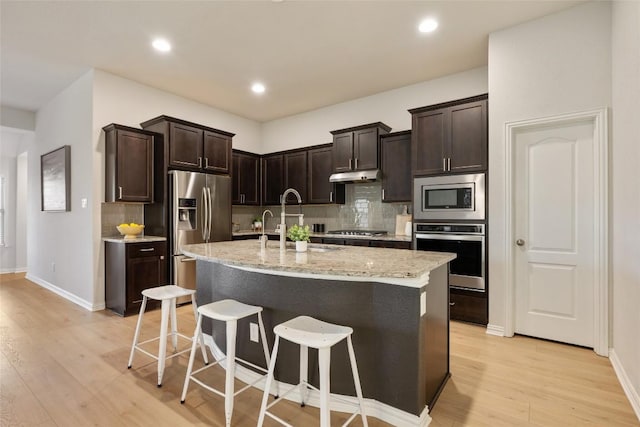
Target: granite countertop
{"type": "Point", "coordinates": [391, 237]}
{"type": "Point", "coordinates": [321, 259]}
{"type": "Point", "coordinates": [140, 239]}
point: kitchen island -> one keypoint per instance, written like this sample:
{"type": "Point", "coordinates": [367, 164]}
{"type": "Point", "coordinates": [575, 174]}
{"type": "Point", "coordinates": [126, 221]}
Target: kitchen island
{"type": "Point", "coordinates": [396, 301]}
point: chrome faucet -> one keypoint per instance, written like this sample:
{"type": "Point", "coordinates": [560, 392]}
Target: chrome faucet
{"type": "Point", "coordinates": [283, 215]}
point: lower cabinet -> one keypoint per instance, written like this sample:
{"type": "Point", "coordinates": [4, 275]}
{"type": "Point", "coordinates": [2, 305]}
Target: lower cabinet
{"type": "Point", "coordinates": [131, 268]}
{"type": "Point", "coordinates": [468, 306]}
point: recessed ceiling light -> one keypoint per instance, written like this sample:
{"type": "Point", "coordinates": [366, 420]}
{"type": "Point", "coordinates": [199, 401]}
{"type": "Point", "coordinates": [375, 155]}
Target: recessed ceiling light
{"type": "Point", "coordinates": [428, 25]}
{"type": "Point", "coordinates": [161, 45]}
{"type": "Point", "coordinates": [257, 88]}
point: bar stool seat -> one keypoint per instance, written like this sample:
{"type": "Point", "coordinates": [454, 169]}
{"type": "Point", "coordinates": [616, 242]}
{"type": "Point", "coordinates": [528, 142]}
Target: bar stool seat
{"type": "Point", "coordinates": [309, 332]}
{"type": "Point", "coordinates": [228, 311]}
{"type": "Point", "coordinates": [167, 295]}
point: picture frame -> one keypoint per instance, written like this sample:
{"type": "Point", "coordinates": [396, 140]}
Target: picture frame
{"type": "Point", "coordinates": [55, 180]}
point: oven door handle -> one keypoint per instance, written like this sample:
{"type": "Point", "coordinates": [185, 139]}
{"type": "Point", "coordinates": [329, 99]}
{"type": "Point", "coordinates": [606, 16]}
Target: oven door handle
{"type": "Point", "coordinates": [471, 238]}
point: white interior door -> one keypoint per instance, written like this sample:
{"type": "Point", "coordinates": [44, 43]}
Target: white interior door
{"type": "Point", "coordinates": [554, 186]}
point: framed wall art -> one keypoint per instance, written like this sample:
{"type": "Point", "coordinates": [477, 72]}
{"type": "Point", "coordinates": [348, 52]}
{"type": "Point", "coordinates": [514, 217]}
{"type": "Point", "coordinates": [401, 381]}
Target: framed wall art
{"type": "Point", "coordinates": [55, 179]}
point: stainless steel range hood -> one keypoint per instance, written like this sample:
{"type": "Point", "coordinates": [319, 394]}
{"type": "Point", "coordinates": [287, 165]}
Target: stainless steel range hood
{"type": "Point", "coordinates": [356, 176]}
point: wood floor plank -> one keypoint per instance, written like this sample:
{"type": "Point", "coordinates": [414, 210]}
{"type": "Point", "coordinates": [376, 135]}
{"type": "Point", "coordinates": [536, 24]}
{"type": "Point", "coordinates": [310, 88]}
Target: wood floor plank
{"type": "Point", "coordinates": [61, 365]}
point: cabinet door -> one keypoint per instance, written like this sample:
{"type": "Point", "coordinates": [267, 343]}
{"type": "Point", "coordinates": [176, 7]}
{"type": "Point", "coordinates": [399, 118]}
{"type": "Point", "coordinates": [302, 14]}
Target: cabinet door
{"type": "Point", "coordinates": [146, 268]}
{"type": "Point", "coordinates": [295, 174]}
{"type": "Point", "coordinates": [428, 133]}
{"type": "Point", "coordinates": [236, 172]}
{"type": "Point", "coordinates": [272, 179]}
{"type": "Point", "coordinates": [135, 167]}
{"type": "Point", "coordinates": [343, 152]}
{"type": "Point", "coordinates": [365, 149]}
{"type": "Point", "coordinates": [185, 146]}
{"type": "Point", "coordinates": [249, 179]}
{"type": "Point", "coordinates": [319, 189]}
{"type": "Point", "coordinates": [217, 152]}
{"type": "Point", "coordinates": [396, 170]}
{"type": "Point", "coordinates": [467, 148]}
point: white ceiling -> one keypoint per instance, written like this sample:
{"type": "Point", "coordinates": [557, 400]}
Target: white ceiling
{"type": "Point", "coordinates": [309, 54]}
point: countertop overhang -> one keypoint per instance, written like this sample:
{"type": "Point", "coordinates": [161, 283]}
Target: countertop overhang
{"type": "Point", "coordinates": [353, 263]}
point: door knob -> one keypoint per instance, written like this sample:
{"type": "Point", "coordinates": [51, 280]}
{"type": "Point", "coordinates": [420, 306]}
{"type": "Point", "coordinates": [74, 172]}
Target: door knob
{"type": "Point", "coordinates": [520, 242]}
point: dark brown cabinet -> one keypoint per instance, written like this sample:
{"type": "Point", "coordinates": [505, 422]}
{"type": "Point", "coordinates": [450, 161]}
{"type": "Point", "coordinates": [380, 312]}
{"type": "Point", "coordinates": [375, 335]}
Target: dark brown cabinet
{"type": "Point", "coordinates": [272, 179]}
{"type": "Point", "coordinates": [128, 164]}
{"type": "Point", "coordinates": [395, 158]}
{"type": "Point", "coordinates": [245, 178]}
{"type": "Point", "coordinates": [131, 268]}
{"type": "Point", "coordinates": [450, 137]}
{"type": "Point", "coordinates": [469, 306]}
{"type": "Point", "coordinates": [295, 174]}
{"type": "Point", "coordinates": [193, 147]}
{"type": "Point", "coordinates": [356, 148]}
{"type": "Point", "coordinates": [319, 169]}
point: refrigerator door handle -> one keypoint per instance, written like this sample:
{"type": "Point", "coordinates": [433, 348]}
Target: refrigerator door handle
{"type": "Point", "coordinates": [209, 213]}
{"type": "Point", "coordinates": [205, 214]}
{"type": "Point", "coordinates": [174, 214]}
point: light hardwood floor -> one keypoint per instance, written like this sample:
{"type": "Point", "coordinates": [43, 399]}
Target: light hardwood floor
{"type": "Point", "coordinates": [61, 365]}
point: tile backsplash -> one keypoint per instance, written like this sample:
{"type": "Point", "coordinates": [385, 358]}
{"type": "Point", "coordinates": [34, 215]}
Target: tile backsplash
{"type": "Point", "coordinates": [116, 213]}
{"type": "Point", "coordinates": [363, 208]}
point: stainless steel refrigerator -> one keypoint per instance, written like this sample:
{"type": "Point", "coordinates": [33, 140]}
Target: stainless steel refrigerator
{"type": "Point", "coordinates": [200, 212]}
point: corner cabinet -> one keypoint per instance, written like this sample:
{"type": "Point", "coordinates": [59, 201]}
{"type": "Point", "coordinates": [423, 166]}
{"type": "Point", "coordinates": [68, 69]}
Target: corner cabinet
{"type": "Point", "coordinates": [193, 147]}
{"type": "Point", "coordinates": [128, 164]}
{"type": "Point", "coordinates": [450, 137]}
{"type": "Point", "coordinates": [131, 268]}
{"type": "Point", "coordinates": [395, 156]}
{"type": "Point", "coordinates": [245, 178]}
{"type": "Point", "coordinates": [356, 148]}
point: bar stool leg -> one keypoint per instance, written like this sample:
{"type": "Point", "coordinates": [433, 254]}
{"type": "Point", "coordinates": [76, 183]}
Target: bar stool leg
{"type": "Point", "coordinates": [304, 373]}
{"type": "Point", "coordinates": [137, 332]}
{"type": "Point", "coordinates": [200, 337]}
{"type": "Point", "coordinates": [174, 325]}
{"type": "Point", "coordinates": [356, 380]}
{"type": "Point", "coordinates": [162, 352]}
{"type": "Point", "coordinates": [267, 386]}
{"type": "Point", "coordinates": [192, 357]}
{"type": "Point", "coordinates": [324, 364]}
{"type": "Point", "coordinates": [232, 326]}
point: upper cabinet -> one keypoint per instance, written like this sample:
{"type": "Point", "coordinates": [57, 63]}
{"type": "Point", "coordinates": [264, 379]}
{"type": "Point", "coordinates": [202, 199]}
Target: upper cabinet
{"type": "Point", "coordinates": [450, 137]}
{"type": "Point", "coordinates": [356, 148]}
{"type": "Point", "coordinates": [193, 147]}
{"type": "Point", "coordinates": [319, 169]}
{"type": "Point", "coordinates": [129, 164]}
{"type": "Point", "coordinates": [395, 156]}
{"type": "Point", "coordinates": [272, 178]}
{"type": "Point", "coordinates": [295, 173]}
{"type": "Point", "coordinates": [245, 178]}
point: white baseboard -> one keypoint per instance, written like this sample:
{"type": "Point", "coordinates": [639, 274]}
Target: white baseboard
{"type": "Point", "coordinates": [66, 294]}
{"type": "Point", "coordinates": [13, 270]}
{"type": "Point", "coordinates": [495, 330]}
{"type": "Point", "coordinates": [373, 408]}
{"type": "Point", "coordinates": [632, 394]}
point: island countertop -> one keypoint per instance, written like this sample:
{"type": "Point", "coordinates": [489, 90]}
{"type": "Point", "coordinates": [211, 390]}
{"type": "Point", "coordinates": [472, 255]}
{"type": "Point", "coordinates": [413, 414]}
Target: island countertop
{"type": "Point", "coordinates": [334, 260]}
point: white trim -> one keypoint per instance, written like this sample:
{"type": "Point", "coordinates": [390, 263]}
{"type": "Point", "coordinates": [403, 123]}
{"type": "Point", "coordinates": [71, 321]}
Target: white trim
{"type": "Point", "coordinates": [601, 232]}
{"type": "Point", "coordinates": [627, 385]}
{"type": "Point", "coordinates": [66, 294]}
{"type": "Point", "coordinates": [13, 270]}
{"type": "Point", "coordinates": [496, 330]}
{"type": "Point", "coordinates": [373, 408]}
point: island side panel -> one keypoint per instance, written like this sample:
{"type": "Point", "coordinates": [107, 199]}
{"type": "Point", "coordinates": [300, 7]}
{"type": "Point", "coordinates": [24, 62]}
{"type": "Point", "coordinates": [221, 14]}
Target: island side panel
{"type": "Point", "coordinates": [434, 337]}
{"type": "Point", "coordinates": [385, 319]}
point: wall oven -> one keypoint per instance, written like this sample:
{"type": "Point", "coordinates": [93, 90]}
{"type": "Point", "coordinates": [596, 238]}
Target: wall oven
{"type": "Point", "coordinates": [449, 197]}
{"type": "Point", "coordinates": [467, 241]}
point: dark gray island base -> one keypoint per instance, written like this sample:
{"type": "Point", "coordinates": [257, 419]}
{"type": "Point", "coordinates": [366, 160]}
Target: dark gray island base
{"type": "Point", "coordinates": [402, 348]}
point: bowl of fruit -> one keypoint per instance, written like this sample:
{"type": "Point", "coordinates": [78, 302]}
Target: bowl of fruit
{"type": "Point", "coordinates": [131, 230]}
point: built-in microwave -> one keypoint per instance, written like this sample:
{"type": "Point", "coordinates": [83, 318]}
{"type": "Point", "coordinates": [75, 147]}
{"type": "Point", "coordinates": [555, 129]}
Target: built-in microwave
{"type": "Point", "coordinates": [449, 197]}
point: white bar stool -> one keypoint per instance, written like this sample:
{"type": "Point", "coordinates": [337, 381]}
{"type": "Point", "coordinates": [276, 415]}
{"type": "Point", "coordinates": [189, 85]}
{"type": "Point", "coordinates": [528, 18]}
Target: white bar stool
{"type": "Point", "coordinates": [228, 311]}
{"type": "Point", "coordinates": [309, 332]}
{"type": "Point", "coordinates": [167, 295]}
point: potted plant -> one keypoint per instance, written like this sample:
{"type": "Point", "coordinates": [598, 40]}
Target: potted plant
{"type": "Point", "coordinates": [257, 223]}
{"type": "Point", "coordinates": [300, 235]}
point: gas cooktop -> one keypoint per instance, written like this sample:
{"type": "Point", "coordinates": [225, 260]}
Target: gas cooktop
{"type": "Point", "coordinates": [358, 232]}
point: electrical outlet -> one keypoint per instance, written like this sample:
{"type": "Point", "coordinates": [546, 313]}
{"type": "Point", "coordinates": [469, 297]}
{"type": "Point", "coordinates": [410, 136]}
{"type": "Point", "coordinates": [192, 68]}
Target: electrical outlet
{"type": "Point", "coordinates": [253, 332]}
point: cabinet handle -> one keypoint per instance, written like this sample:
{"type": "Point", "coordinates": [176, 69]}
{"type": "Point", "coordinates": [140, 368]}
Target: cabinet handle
{"type": "Point", "coordinates": [383, 194]}
{"type": "Point", "coordinates": [452, 303]}
{"type": "Point", "coordinates": [281, 198]}
{"type": "Point", "coordinates": [199, 162]}
{"type": "Point", "coordinates": [147, 250]}
{"type": "Point", "coordinates": [119, 192]}
{"type": "Point", "coordinates": [449, 164]}
{"type": "Point", "coordinates": [356, 162]}
{"type": "Point", "coordinates": [350, 164]}
{"type": "Point", "coordinates": [331, 196]}
{"type": "Point", "coordinates": [136, 301]}
{"type": "Point", "coordinates": [444, 164]}
{"type": "Point", "coordinates": [206, 162]}
{"type": "Point", "coordinates": [242, 198]}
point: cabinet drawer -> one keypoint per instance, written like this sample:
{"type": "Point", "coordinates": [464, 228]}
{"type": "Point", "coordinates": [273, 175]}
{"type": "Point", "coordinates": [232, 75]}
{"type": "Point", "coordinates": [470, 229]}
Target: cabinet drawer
{"type": "Point", "coordinates": [146, 249]}
{"type": "Point", "coordinates": [390, 244]}
{"type": "Point", "coordinates": [468, 308]}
